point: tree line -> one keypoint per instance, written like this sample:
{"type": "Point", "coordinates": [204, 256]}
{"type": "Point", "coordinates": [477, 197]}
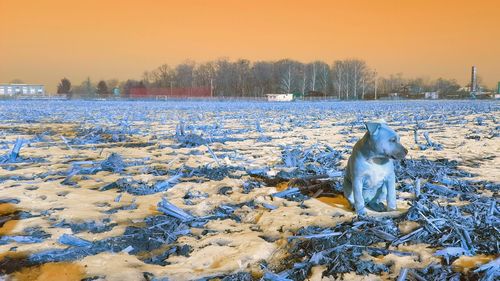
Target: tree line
{"type": "Point", "coordinates": [87, 89]}
{"type": "Point", "coordinates": [348, 79]}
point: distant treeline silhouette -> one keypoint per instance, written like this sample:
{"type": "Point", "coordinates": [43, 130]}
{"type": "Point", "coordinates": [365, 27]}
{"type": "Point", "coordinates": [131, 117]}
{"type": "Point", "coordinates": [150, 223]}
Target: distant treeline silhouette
{"type": "Point", "coordinates": [344, 79]}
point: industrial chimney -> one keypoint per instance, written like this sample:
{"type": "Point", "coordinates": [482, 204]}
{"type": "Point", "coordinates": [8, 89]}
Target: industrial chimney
{"type": "Point", "coordinates": [473, 80]}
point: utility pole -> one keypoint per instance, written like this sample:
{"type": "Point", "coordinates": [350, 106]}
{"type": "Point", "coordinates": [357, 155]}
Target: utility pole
{"type": "Point", "coordinates": [211, 88]}
{"type": "Point", "coordinates": [363, 88]}
{"type": "Point", "coordinates": [376, 79]}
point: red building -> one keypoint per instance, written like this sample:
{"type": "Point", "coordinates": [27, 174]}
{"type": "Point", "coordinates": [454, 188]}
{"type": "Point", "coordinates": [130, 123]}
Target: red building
{"type": "Point", "coordinates": [173, 93]}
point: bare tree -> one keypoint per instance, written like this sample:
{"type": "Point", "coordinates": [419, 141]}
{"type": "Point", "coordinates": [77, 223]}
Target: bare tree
{"type": "Point", "coordinates": [325, 78]}
{"type": "Point", "coordinates": [348, 78]}
{"type": "Point", "coordinates": [263, 77]}
{"type": "Point", "coordinates": [226, 77]}
{"type": "Point", "coordinates": [338, 73]}
{"type": "Point", "coordinates": [392, 84]}
{"type": "Point", "coordinates": [286, 80]}
{"type": "Point", "coordinates": [351, 78]}
{"type": "Point", "coordinates": [163, 76]}
{"type": "Point", "coordinates": [319, 73]}
{"type": "Point", "coordinates": [313, 74]}
{"type": "Point", "coordinates": [184, 74]}
{"type": "Point", "coordinates": [204, 74]}
{"type": "Point", "coordinates": [445, 86]}
{"type": "Point", "coordinates": [242, 69]}
{"type": "Point", "coordinates": [147, 77]}
{"type": "Point", "coordinates": [304, 80]}
{"type": "Point", "coordinates": [288, 73]}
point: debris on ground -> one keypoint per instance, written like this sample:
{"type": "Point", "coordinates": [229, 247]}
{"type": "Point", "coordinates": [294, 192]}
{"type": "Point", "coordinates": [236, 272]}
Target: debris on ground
{"type": "Point", "coordinates": [244, 191]}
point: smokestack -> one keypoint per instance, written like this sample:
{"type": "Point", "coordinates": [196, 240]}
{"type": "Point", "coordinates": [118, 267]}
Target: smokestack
{"type": "Point", "coordinates": [473, 81]}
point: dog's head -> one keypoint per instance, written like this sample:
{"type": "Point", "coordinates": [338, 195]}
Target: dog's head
{"type": "Point", "coordinates": [385, 141]}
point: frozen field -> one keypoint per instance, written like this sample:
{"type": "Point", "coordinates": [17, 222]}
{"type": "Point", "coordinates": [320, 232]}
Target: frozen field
{"type": "Point", "coordinates": [242, 191]}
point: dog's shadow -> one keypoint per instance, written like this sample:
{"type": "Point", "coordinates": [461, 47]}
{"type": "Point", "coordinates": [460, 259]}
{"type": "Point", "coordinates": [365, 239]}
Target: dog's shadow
{"type": "Point", "coordinates": [323, 190]}
{"type": "Point", "coordinates": [335, 200]}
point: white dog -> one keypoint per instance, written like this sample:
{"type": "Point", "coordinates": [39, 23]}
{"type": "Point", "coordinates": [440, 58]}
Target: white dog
{"type": "Point", "coordinates": [369, 177]}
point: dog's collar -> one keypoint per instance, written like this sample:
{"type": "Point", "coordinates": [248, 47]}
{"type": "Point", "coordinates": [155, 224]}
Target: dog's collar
{"type": "Point", "coordinates": [379, 160]}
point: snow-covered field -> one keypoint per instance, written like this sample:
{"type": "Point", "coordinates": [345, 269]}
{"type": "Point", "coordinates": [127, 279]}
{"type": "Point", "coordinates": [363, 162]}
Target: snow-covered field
{"type": "Point", "coordinates": [189, 190]}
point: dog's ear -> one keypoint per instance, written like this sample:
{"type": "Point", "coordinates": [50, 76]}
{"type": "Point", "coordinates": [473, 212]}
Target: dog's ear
{"type": "Point", "coordinates": [372, 127]}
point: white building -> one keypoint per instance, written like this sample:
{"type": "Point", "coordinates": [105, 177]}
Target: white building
{"type": "Point", "coordinates": [279, 97]}
{"type": "Point", "coordinates": [21, 89]}
{"type": "Point", "coordinates": [431, 95]}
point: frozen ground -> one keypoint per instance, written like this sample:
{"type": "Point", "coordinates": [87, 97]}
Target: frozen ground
{"type": "Point", "coordinates": [187, 191]}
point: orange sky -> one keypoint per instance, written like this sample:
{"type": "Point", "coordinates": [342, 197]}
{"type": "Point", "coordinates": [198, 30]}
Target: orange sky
{"type": "Point", "coordinates": [42, 41]}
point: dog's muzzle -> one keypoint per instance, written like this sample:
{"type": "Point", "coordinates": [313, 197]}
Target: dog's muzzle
{"type": "Point", "coordinates": [400, 154]}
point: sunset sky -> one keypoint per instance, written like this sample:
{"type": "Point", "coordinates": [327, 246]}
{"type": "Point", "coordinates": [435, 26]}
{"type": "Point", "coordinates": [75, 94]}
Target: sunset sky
{"type": "Point", "coordinates": [42, 41]}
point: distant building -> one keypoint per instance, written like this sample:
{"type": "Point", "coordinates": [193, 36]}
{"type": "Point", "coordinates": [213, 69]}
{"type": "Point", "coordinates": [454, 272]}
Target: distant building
{"type": "Point", "coordinates": [473, 80]}
{"type": "Point", "coordinates": [393, 96]}
{"type": "Point", "coordinates": [431, 95]}
{"type": "Point", "coordinates": [279, 97]}
{"type": "Point", "coordinates": [315, 94]}
{"type": "Point", "coordinates": [21, 89]}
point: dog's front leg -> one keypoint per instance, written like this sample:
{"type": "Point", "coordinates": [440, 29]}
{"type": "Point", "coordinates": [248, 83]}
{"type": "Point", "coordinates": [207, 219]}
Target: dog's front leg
{"type": "Point", "coordinates": [359, 200]}
{"type": "Point", "coordinates": [391, 192]}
